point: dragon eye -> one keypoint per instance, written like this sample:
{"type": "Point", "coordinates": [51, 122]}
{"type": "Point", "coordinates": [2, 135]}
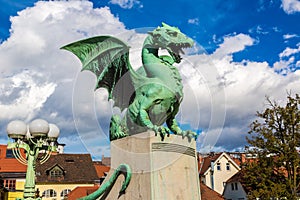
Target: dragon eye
{"type": "Point", "coordinates": [173, 34]}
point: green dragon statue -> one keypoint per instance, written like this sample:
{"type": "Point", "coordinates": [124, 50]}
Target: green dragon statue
{"type": "Point", "coordinates": [152, 94]}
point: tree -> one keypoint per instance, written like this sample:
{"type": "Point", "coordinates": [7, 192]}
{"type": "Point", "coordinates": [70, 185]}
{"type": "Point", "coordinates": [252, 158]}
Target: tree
{"type": "Point", "coordinates": [274, 141]}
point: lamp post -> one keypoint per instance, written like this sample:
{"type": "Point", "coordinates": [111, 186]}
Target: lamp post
{"type": "Point", "coordinates": [35, 138]}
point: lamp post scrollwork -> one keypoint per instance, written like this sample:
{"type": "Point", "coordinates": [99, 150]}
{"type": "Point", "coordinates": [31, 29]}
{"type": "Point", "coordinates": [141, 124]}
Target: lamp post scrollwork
{"type": "Point", "coordinates": [39, 140]}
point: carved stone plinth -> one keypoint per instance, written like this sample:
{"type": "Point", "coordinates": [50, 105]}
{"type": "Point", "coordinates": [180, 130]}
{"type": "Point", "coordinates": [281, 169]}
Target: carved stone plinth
{"type": "Point", "coordinates": [160, 170]}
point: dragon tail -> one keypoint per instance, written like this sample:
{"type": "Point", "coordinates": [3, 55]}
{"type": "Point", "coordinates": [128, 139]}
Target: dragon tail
{"type": "Point", "coordinates": [122, 169]}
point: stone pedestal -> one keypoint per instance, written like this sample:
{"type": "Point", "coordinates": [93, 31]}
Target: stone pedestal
{"type": "Point", "coordinates": [161, 170]}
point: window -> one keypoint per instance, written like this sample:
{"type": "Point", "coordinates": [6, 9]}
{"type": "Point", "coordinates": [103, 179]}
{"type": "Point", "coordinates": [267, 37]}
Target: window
{"type": "Point", "coordinates": [56, 173]}
{"type": "Point", "coordinates": [49, 193]}
{"type": "Point", "coordinates": [10, 184]}
{"type": "Point", "coordinates": [219, 166]}
{"type": "Point", "coordinates": [64, 193]}
{"type": "Point", "coordinates": [228, 166]}
{"type": "Point", "coordinates": [234, 186]}
{"type": "Point", "coordinates": [9, 153]}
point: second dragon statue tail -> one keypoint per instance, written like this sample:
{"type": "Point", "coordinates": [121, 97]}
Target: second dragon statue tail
{"type": "Point", "coordinates": [122, 169]}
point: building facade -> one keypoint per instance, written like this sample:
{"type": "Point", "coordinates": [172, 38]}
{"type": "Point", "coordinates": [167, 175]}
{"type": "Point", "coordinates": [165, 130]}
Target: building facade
{"type": "Point", "coordinates": [216, 169]}
{"type": "Point", "coordinates": [12, 174]}
{"type": "Point", "coordinates": [62, 173]}
{"type": "Point", "coordinates": [234, 189]}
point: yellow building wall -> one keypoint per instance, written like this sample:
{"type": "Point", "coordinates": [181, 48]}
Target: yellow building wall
{"type": "Point", "coordinates": [19, 190]}
{"type": "Point", "coordinates": [20, 184]}
{"type": "Point", "coordinates": [14, 195]}
{"type": "Point", "coordinates": [58, 188]}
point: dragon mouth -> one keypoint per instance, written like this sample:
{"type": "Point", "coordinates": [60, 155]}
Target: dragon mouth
{"type": "Point", "coordinates": [176, 50]}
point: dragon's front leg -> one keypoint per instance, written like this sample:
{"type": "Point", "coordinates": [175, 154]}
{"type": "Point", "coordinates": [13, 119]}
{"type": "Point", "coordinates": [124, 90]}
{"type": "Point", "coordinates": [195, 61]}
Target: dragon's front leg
{"type": "Point", "coordinates": [161, 130]}
{"type": "Point", "coordinates": [174, 127]}
{"type": "Point", "coordinates": [140, 108]}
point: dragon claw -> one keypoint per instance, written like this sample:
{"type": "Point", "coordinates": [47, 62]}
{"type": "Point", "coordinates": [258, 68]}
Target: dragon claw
{"type": "Point", "coordinates": [162, 131]}
{"type": "Point", "coordinates": [189, 134]}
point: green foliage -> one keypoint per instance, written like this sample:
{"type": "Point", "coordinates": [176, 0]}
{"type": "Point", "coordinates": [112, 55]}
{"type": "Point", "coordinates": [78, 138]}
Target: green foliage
{"type": "Point", "coordinates": [275, 137]}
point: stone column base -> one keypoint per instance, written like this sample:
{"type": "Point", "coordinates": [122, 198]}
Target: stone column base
{"type": "Point", "coordinates": [161, 170]}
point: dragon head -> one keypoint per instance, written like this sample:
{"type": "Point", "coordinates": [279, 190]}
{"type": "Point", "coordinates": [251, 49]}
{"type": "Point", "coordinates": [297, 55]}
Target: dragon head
{"type": "Point", "coordinates": [171, 39]}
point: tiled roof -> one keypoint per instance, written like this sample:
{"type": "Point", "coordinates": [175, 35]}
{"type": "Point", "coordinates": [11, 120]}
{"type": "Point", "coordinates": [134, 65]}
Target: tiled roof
{"type": "Point", "coordinates": [205, 165]}
{"type": "Point", "coordinates": [106, 160]}
{"type": "Point", "coordinates": [81, 192]}
{"type": "Point", "coordinates": [237, 177]}
{"type": "Point", "coordinates": [209, 194]}
{"type": "Point", "coordinates": [101, 169]}
{"type": "Point", "coordinates": [77, 168]}
{"type": "Point", "coordinates": [10, 165]}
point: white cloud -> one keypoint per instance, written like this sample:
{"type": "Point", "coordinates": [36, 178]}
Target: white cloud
{"type": "Point", "coordinates": [36, 76]}
{"type": "Point", "coordinates": [287, 60]}
{"type": "Point", "coordinates": [289, 51]}
{"type": "Point", "coordinates": [260, 30]}
{"type": "Point", "coordinates": [221, 96]}
{"type": "Point", "coordinates": [289, 36]}
{"type": "Point", "coordinates": [244, 85]}
{"type": "Point", "coordinates": [290, 6]}
{"type": "Point", "coordinates": [127, 4]}
{"type": "Point", "coordinates": [24, 94]}
{"type": "Point", "coordinates": [233, 44]}
{"type": "Point", "coordinates": [194, 21]}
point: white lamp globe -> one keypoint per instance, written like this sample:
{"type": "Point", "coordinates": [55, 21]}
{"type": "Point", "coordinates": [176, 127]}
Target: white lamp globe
{"type": "Point", "coordinates": [16, 129]}
{"type": "Point", "coordinates": [39, 128]}
{"type": "Point", "coordinates": [53, 132]}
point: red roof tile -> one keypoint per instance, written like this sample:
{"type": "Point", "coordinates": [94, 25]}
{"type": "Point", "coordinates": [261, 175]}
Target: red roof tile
{"type": "Point", "coordinates": [209, 194]}
{"type": "Point", "coordinates": [206, 163]}
{"type": "Point", "coordinates": [9, 164]}
{"type": "Point", "coordinates": [81, 192]}
{"type": "Point", "coordinates": [101, 169]}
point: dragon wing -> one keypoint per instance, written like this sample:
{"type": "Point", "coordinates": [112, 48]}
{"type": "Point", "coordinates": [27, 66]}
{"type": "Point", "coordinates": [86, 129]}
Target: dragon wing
{"type": "Point", "coordinates": [108, 58]}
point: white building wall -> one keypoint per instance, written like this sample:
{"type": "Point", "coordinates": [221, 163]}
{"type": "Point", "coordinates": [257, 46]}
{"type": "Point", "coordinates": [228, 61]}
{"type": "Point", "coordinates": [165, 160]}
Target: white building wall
{"type": "Point", "coordinates": [222, 174]}
{"type": "Point", "coordinates": [234, 193]}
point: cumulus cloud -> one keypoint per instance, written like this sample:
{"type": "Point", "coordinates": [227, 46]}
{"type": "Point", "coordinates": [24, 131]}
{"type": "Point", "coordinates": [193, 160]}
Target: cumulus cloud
{"type": "Point", "coordinates": [233, 44]}
{"type": "Point", "coordinates": [288, 61]}
{"type": "Point", "coordinates": [234, 91]}
{"type": "Point", "coordinates": [289, 51]}
{"type": "Point", "coordinates": [290, 6]}
{"type": "Point", "coordinates": [39, 80]}
{"type": "Point", "coordinates": [24, 94]}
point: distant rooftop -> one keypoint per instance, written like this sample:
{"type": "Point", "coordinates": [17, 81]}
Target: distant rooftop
{"type": "Point", "coordinates": [67, 168]}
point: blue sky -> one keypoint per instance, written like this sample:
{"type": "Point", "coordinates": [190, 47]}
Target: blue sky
{"type": "Point", "coordinates": [252, 51]}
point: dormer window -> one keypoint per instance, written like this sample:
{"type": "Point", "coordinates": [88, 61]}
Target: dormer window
{"type": "Point", "coordinates": [56, 173]}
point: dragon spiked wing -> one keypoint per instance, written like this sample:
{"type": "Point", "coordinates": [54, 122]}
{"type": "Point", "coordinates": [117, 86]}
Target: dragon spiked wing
{"type": "Point", "coordinates": [108, 58]}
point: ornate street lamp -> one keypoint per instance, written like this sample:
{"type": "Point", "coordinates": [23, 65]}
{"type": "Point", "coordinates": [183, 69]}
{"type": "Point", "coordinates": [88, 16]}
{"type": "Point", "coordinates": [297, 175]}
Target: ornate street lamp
{"type": "Point", "coordinates": [39, 140]}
